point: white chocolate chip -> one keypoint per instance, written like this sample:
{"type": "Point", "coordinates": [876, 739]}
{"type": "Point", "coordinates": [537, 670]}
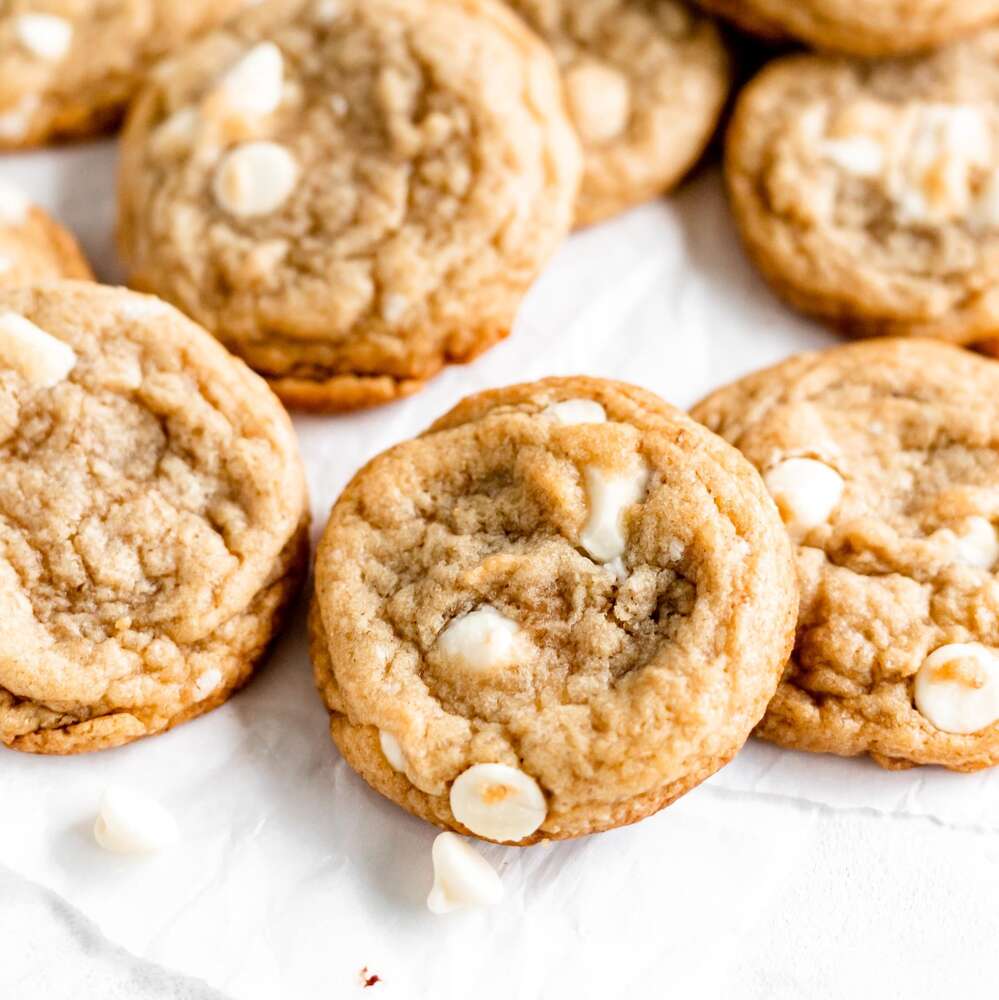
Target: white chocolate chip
{"type": "Point", "coordinates": [859, 155]}
{"type": "Point", "coordinates": [14, 205]}
{"type": "Point", "coordinates": [177, 133]}
{"type": "Point", "coordinates": [207, 683]}
{"type": "Point", "coordinates": [462, 877]}
{"type": "Point", "coordinates": [16, 121]}
{"type": "Point", "coordinates": [806, 492]}
{"type": "Point", "coordinates": [255, 179]}
{"type": "Point", "coordinates": [957, 688]}
{"type": "Point", "coordinates": [44, 35]}
{"type": "Point", "coordinates": [391, 751]}
{"type": "Point", "coordinates": [498, 802]}
{"type": "Point", "coordinates": [609, 495]}
{"type": "Point", "coordinates": [254, 86]}
{"type": "Point", "coordinates": [327, 11]}
{"type": "Point", "coordinates": [599, 101]}
{"type": "Point", "coordinates": [132, 823]}
{"type": "Point", "coordinates": [40, 358]}
{"type": "Point", "coordinates": [483, 640]}
{"type": "Point", "coordinates": [977, 543]}
{"type": "Point", "coordinates": [576, 411]}
{"type": "Point", "coordinates": [394, 307]}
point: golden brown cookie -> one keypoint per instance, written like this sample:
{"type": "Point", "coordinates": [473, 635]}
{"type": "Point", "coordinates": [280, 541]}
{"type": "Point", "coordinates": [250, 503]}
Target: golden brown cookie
{"type": "Point", "coordinates": [68, 67]}
{"type": "Point", "coordinates": [868, 193]}
{"type": "Point", "coordinates": [553, 613]}
{"type": "Point", "coordinates": [351, 196]}
{"type": "Point", "coordinates": [868, 28]}
{"type": "Point", "coordinates": [33, 246]}
{"type": "Point", "coordinates": [153, 519]}
{"type": "Point", "coordinates": [884, 460]}
{"type": "Point", "coordinates": [645, 83]}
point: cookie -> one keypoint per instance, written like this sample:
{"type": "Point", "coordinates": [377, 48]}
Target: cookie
{"type": "Point", "coordinates": [645, 82]}
{"type": "Point", "coordinates": [351, 195]}
{"type": "Point", "coordinates": [872, 28]}
{"type": "Point", "coordinates": [33, 246]}
{"type": "Point", "coordinates": [868, 193]}
{"type": "Point", "coordinates": [68, 69]}
{"type": "Point", "coordinates": [553, 613]}
{"type": "Point", "coordinates": [883, 457]}
{"type": "Point", "coordinates": [153, 520]}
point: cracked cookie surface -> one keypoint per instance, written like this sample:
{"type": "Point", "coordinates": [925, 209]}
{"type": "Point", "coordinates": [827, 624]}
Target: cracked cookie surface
{"type": "Point", "coordinates": [884, 459]}
{"type": "Point", "coordinates": [645, 83]}
{"type": "Point", "coordinates": [568, 579]}
{"type": "Point", "coordinates": [68, 67]}
{"type": "Point", "coordinates": [368, 203]}
{"type": "Point", "coordinates": [873, 28]}
{"type": "Point", "coordinates": [153, 523]}
{"type": "Point", "coordinates": [867, 193]}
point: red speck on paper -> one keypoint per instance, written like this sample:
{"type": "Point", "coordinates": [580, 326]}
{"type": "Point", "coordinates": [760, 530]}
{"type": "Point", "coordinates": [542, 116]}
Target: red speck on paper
{"type": "Point", "coordinates": [369, 979]}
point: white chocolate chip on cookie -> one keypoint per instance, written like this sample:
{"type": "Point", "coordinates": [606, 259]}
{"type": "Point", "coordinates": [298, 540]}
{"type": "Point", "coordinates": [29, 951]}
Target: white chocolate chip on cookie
{"type": "Point", "coordinates": [132, 823]}
{"type": "Point", "coordinates": [577, 411]}
{"type": "Point", "coordinates": [177, 133]}
{"type": "Point", "coordinates": [806, 492]}
{"type": "Point", "coordinates": [498, 802]}
{"type": "Point", "coordinates": [391, 750]}
{"type": "Point", "coordinates": [207, 683]}
{"type": "Point", "coordinates": [957, 688]}
{"type": "Point", "coordinates": [977, 543]}
{"type": "Point", "coordinates": [609, 495]}
{"type": "Point", "coordinates": [253, 87]}
{"type": "Point", "coordinates": [255, 179]}
{"type": "Point", "coordinates": [462, 877]}
{"type": "Point", "coordinates": [44, 35]}
{"type": "Point", "coordinates": [483, 640]}
{"type": "Point", "coordinates": [599, 101]}
{"type": "Point", "coordinates": [39, 357]}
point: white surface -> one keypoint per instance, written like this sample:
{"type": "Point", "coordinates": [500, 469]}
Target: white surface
{"type": "Point", "coordinates": [785, 876]}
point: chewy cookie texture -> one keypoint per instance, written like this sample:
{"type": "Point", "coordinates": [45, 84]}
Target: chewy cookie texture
{"type": "Point", "coordinates": [152, 518]}
{"type": "Point", "coordinates": [645, 82]}
{"type": "Point", "coordinates": [33, 247]}
{"type": "Point", "coordinates": [553, 613]}
{"type": "Point", "coordinates": [68, 69]}
{"type": "Point", "coordinates": [868, 193]}
{"type": "Point", "coordinates": [351, 195]}
{"type": "Point", "coordinates": [884, 460]}
{"type": "Point", "coordinates": [869, 28]}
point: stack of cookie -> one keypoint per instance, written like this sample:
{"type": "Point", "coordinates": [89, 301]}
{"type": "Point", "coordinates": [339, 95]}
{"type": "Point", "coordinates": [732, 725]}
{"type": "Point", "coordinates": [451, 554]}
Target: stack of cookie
{"type": "Point", "coordinates": [566, 603]}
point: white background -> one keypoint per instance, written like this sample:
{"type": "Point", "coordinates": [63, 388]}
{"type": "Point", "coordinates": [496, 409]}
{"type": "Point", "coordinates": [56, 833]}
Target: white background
{"type": "Point", "coordinates": [785, 876]}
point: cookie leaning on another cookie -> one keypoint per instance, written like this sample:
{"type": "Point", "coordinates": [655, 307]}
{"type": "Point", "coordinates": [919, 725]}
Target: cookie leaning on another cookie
{"type": "Point", "coordinates": [553, 613]}
{"type": "Point", "coordinates": [153, 520]}
{"type": "Point", "coordinates": [33, 246]}
{"type": "Point", "coordinates": [867, 28]}
{"type": "Point", "coordinates": [884, 459]}
{"type": "Point", "coordinates": [868, 193]}
{"type": "Point", "coordinates": [645, 82]}
{"type": "Point", "coordinates": [352, 195]}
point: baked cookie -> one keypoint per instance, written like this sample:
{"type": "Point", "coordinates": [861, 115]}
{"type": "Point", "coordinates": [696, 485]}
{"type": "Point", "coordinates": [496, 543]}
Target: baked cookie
{"type": "Point", "coordinates": [868, 193]}
{"type": "Point", "coordinates": [68, 67]}
{"type": "Point", "coordinates": [553, 613]}
{"type": "Point", "coordinates": [33, 246]}
{"type": "Point", "coordinates": [153, 523]}
{"type": "Point", "coordinates": [860, 27]}
{"type": "Point", "coordinates": [645, 82]}
{"type": "Point", "coordinates": [351, 195]}
{"type": "Point", "coordinates": [884, 460]}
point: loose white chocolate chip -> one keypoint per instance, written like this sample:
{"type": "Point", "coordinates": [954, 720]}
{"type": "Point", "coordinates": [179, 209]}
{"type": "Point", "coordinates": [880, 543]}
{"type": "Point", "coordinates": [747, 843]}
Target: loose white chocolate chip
{"type": "Point", "coordinates": [462, 877]}
{"type": "Point", "coordinates": [599, 101]}
{"type": "Point", "coordinates": [40, 358]}
{"type": "Point", "coordinates": [806, 492]}
{"type": "Point", "coordinates": [498, 802]}
{"type": "Point", "coordinates": [255, 179]}
{"type": "Point", "coordinates": [391, 751]}
{"type": "Point", "coordinates": [483, 640]}
{"type": "Point", "coordinates": [132, 823]}
{"type": "Point", "coordinates": [207, 683]}
{"type": "Point", "coordinates": [977, 543]}
{"type": "Point", "coordinates": [957, 688]}
{"type": "Point", "coordinates": [44, 35]}
{"type": "Point", "coordinates": [253, 87]}
{"type": "Point", "coordinates": [14, 205]}
{"type": "Point", "coordinates": [609, 495]}
{"type": "Point", "coordinates": [576, 411]}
